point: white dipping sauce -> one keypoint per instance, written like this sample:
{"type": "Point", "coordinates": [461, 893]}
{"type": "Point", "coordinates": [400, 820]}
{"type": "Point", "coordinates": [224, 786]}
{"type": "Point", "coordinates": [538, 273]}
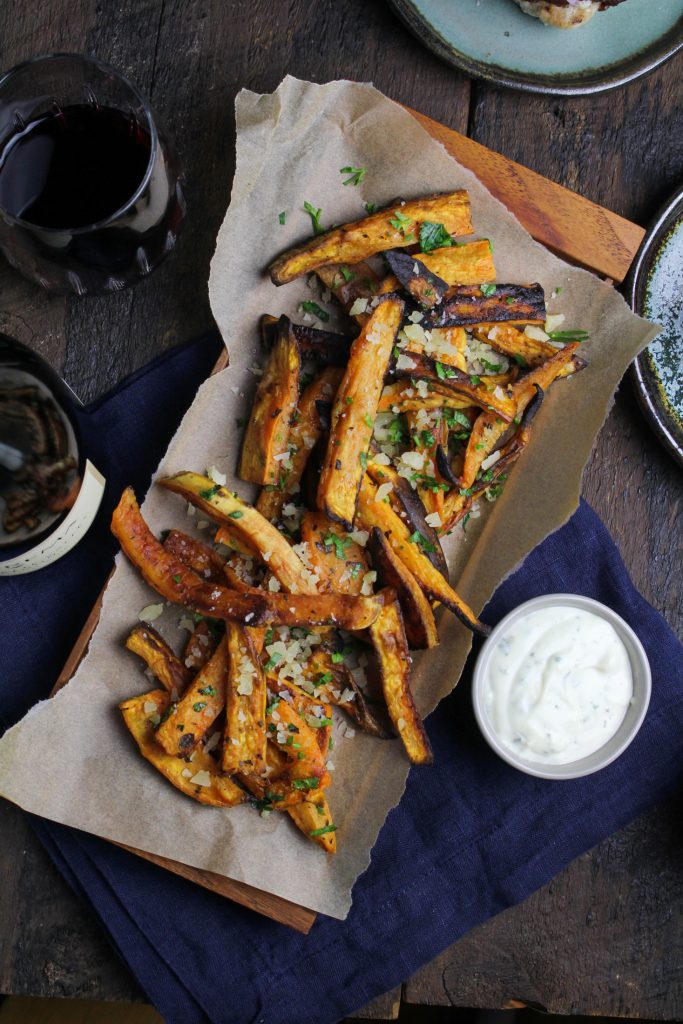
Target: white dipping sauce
{"type": "Point", "coordinates": [558, 685]}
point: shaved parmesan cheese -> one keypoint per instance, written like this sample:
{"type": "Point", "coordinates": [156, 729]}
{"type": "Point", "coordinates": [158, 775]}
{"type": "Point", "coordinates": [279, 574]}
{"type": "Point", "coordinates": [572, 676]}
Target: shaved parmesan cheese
{"type": "Point", "coordinates": [217, 477]}
{"type": "Point", "coordinates": [359, 306]}
{"type": "Point", "coordinates": [433, 519]}
{"type": "Point", "coordinates": [554, 321]}
{"type": "Point", "coordinates": [186, 773]}
{"type": "Point", "coordinates": [359, 537]}
{"type": "Point", "coordinates": [381, 459]}
{"type": "Point", "coordinates": [274, 585]}
{"type": "Point", "coordinates": [202, 778]}
{"type": "Point", "coordinates": [405, 363]}
{"type": "Point", "coordinates": [490, 461]}
{"type": "Point", "coordinates": [383, 490]}
{"type": "Point", "coordinates": [366, 587]}
{"type": "Point", "coordinates": [149, 707]}
{"type": "Point", "coordinates": [150, 612]}
{"type": "Point", "coordinates": [536, 333]}
{"type": "Point", "coordinates": [416, 316]}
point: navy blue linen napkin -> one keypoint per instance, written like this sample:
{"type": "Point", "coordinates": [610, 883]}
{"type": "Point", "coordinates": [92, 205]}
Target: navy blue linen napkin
{"type": "Point", "coordinates": [470, 837]}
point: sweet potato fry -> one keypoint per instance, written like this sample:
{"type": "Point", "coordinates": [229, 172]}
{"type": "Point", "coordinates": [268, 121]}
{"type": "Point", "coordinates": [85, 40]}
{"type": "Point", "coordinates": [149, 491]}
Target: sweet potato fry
{"type": "Point", "coordinates": [199, 777]}
{"type": "Point", "coordinates": [528, 352]}
{"type": "Point", "coordinates": [244, 743]}
{"type": "Point", "coordinates": [326, 347]}
{"type": "Point", "coordinates": [468, 263]}
{"type": "Point", "coordinates": [372, 513]}
{"type": "Point", "coordinates": [188, 719]}
{"type": "Point", "coordinates": [314, 818]}
{"type": "Point", "coordinates": [153, 649]}
{"type": "Point", "coordinates": [344, 611]}
{"type": "Point", "coordinates": [337, 560]}
{"type": "Point", "coordinates": [221, 505]}
{"type": "Point", "coordinates": [303, 436]}
{"type": "Point", "coordinates": [348, 284]}
{"type": "Point", "coordinates": [489, 428]}
{"type": "Point", "coordinates": [267, 433]}
{"type": "Point", "coordinates": [473, 304]}
{"type": "Point", "coordinates": [200, 646]}
{"type": "Point", "coordinates": [422, 284]}
{"type": "Point", "coordinates": [202, 559]}
{"type": "Point", "coordinates": [335, 684]}
{"type": "Point", "coordinates": [394, 227]}
{"type": "Point", "coordinates": [418, 618]}
{"type": "Point", "coordinates": [478, 390]}
{"type": "Point", "coordinates": [354, 412]}
{"type": "Point", "coordinates": [389, 640]}
{"type": "Point", "coordinates": [170, 577]}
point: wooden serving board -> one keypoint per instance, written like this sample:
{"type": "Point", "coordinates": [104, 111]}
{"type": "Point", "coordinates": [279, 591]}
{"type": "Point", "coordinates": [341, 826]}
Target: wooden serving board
{"type": "Point", "coordinates": [573, 227]}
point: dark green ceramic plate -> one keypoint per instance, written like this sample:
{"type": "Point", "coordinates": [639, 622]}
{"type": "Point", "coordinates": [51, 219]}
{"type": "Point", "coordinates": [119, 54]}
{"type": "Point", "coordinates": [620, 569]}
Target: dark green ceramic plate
{"type": "Point", "coordinates": [656, 292]}
{"type": "Point", "coordinates": [495, 40]}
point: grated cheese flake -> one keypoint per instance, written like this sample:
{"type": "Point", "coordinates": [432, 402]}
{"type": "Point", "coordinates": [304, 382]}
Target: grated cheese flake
{"type": "Point", "coordinates": [150, 612]}
{"type": "Point", "coordinates": [202, 778]}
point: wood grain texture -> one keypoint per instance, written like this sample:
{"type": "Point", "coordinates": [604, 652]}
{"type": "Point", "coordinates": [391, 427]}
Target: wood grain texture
{"type": "Point", "coordinates": [564, 221]}
{"type": "Point", "coordinates": [622, 150]}
{"type": "Point", "coordinates": [613, 920]}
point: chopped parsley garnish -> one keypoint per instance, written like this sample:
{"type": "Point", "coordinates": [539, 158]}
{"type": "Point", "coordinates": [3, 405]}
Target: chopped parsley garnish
{"type": "Point", "coordinates": [281, 216]}
{"type": "Point", "coordinates": [428, 483]}
{"type": "Point", "coordinates": [454, 417]}
{"type": "Point", "coordinates": [443, 371]}
{"type": "Point", "coordinates": [509, 301]}
{"type": "Point", "coordinates": [369, 422]}
{"type": "Point", "coordinates": [315, 215]}
{"type": "Point", "coordinates": [236, 514]}
{"type": "Point", "coordinates": [466, 521]}
{"type": "Point", "coordinates": [318, 723]}
{"type": "Point", "coordinates": [292, 728]}
{"type": "Point", "coordinates": [323, 831]}
{"type": "Point", "coordinates": [364, 460]}
{"type": "Point", "coordinates": [315, 309]}
{"type": "Point", "coordinates": [474, 380]}
{"type": "Point", "coordinates": [325, 678]}
{"type": "Point", "coordinates": [208, 494]}
{"type": "Point", "coordinates": [357, 175]}
{"type": "Point", "coordinates": [347, 274]}
{"type": "Point", "coordinates": [176, 579]}
{"type": "Point", "coordinates": [273, 704]}
{"type": "Point", "coordinates": [199, 706]}
{"type": "Point", "coordinates": [310, 783]}
{"type": "Point", "coordinates": [488, 290]}
{"type": "Point", "coordinates": [208, 691]}
{"type": "Point", "coordinates": [466, 492]}
{"type": "Point", "coordinates": [491, 367]}
{"type": "Point", "coordinates": [520, 360]}
{"type": "Point", "coordinates": [371, 207]}
{"type": "Point", "coordinates": [273, 660]}
{"type": "Point", "coordinates": [339, 544]}
{"type": "Point", "coordinates": [170, 710]}
{"type": "Point", "coordinates": [425, 439]}
{"type": "Point", "coordinates": [337, 658]}
{"type": "Point", "coordinates": [400, 221]}
{"type": "Point", "coordinates": [396, 431]}
{"type": "Point", "coordinates": [422, 542]}
{"type": "Point", "coordinates": [355, 572]}
{"type": "Point", "coordinates": [434, 236]}
{"type": "Point", "coordinates": [567, 336]}
{"type": "Point", "coordinates": [494, 491]}
{"type": "Point", "coordinates": [268, 638]}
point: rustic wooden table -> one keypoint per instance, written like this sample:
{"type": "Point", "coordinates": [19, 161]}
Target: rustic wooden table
{"type": "Point", "coordinates": [604, 937]}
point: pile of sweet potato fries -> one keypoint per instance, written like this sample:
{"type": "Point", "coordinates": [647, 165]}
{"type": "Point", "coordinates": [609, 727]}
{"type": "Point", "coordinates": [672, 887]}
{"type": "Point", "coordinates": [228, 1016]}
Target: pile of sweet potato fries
{"type": "Point", "coordinates": [403, 424]}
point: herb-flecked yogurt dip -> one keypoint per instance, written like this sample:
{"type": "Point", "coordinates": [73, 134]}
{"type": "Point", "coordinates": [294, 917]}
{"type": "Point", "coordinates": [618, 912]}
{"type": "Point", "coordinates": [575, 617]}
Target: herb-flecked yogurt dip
{"type": "Point", "coordinates": [558, 685]}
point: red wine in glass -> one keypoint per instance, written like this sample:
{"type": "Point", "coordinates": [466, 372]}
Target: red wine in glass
{"type": "Point", "coordinates": [90, 199]}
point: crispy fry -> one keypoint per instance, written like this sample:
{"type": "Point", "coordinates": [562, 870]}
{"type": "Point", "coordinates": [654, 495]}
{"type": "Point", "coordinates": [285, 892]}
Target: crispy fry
{"type": "Point", "coordinates": [424, 286]}
{"type": "Point", "coordinates": [337, 560]}
{"type": "Point", "coordinates": [354, 412]}
{"type": "Point", "coordinates": [391, 228]}
{"type": "Point", "coordinates": [391, 647]}
{"type": "Point", "coordinates": [528, 352]}
{"type": "Point", "coordinates": [335, 684]}
{"type": "Point", "coordinates": [489, 428]}
{"type": "Point", "coordinates": [373, 513]}
{"type": "Point", "coordinates": [199, 778]}
{"type": "Point", "coordinates": [276, 396]}
{"type": "Point", "coordinates": [326, 347]}
{"type": "Point", "coordinates": [472, 304]}
{"type": "Point", "coordinates": [200, 646]}
{"type": "Point", "coordinates": [314, 818]}
{"type": "Point", "coordinates": [153, 649]}
{"type": "Point", "coordinates": [188, 720]}
{"type": "Point", "coordinates": [418, 618]}
{"type": "Point", "coordinates": [344, 611]}
{"type": "Point", "coordinates": [244, 744]}
{"type": "Point", "coordinates": [202, 559]}
{"type": "Point", "coordinates": [469, 263]}
{"type": "Point", "coordinates": [479, 390]}
{"type": "Point", "coordinates": [222, 506]}
{"type": "Point", "coordinates": [170, 577]}
{"type": "Point", "coordinates": [303, 435]}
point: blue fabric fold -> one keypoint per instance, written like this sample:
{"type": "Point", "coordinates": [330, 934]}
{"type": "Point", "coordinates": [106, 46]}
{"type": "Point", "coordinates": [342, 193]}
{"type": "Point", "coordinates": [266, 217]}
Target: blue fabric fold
{"type": "Point", "coordinates": [470, 837]}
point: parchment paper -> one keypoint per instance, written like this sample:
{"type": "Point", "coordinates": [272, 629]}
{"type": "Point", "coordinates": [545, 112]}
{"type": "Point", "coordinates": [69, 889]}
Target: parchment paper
{"type": "Point", "coordinates": [71, 759]}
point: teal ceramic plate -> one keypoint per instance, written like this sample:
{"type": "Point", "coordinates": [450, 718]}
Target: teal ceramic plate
{"type": "Point", "coordinates": [656, 292]}
{"type": "Point", "coordinates": [495, 40]}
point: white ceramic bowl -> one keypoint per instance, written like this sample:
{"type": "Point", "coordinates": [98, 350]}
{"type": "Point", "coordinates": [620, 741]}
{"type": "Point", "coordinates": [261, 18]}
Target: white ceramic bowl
{"type": "Point", "coordinates": [642, 686]}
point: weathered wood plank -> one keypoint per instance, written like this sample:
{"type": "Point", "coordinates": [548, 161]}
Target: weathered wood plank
{"type": "Point", "coordinates": [604, 938]}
